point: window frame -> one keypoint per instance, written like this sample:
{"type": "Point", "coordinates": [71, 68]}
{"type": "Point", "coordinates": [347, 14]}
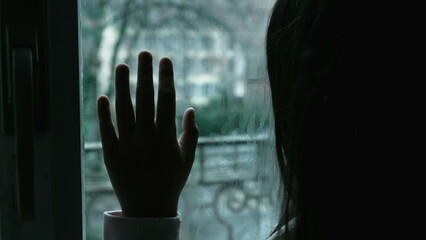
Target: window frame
{"type": "Point", "coordinates": [66, 108]}
{"type": "Point", "coordinates": [58, 149]}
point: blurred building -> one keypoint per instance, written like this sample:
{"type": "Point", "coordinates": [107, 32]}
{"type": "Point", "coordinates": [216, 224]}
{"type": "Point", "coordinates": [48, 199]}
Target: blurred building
{"type": "Point", "coordinates": [207, 63]}
{"type": "Point", "coordinates": [215, 50]}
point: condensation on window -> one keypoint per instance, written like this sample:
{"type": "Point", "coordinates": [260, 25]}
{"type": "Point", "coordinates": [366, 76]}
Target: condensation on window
{"type": "Point", "coordinates": [219, 59]}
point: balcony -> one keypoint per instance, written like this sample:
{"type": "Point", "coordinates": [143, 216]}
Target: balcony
{"type": "Point", "coordinates": [230, 189]}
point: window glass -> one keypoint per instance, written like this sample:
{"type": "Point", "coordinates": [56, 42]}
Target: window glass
{"type": "Point", "coordinates": [218, 52]}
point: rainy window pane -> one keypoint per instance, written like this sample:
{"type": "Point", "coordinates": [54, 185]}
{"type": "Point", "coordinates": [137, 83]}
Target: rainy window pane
{"type": "Point", "coordinates": [218, 51]}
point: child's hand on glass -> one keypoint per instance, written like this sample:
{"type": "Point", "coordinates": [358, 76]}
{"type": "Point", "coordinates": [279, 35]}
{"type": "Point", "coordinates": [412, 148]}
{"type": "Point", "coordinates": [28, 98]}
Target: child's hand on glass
{"type": "Point", "coordinates": [147, 165]}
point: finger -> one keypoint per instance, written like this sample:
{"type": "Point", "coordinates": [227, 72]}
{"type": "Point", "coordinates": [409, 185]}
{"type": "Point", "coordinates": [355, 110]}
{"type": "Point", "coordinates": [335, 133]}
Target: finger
{"type": "Point", "coordinates": [123, 103]}
{"type": "Point", "coordinates": [145, 93]}
{"type": "Point", "coordinates": [166, 106]}
{"type": "Point", "coordinates": [189, 138]}
{"type": "Point", "coordinates": [108, 135]}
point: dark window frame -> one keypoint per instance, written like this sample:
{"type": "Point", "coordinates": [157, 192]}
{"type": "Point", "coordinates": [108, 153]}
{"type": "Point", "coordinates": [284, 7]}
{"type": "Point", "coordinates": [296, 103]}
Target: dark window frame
{"type": "Point", "coordinates": [57, 175]}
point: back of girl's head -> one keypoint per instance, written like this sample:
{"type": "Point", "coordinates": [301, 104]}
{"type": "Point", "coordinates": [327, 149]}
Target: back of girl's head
{"type": "Point", "coordinates": [309, 55]}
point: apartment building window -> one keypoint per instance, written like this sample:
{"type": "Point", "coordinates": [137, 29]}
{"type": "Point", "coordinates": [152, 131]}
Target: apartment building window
{"type": "Point", "coordinates": [207, 42]}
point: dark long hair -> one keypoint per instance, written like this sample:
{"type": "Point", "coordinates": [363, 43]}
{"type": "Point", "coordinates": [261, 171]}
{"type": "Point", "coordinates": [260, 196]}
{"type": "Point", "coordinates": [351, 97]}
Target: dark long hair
{"type": "Point", "coordinates": [340, 75]}
{"type": "Point", "coordinates": [312, 130]}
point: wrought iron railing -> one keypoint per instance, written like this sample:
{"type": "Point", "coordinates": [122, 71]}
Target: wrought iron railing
{"type": "Point", "coordinates": [228, 165]}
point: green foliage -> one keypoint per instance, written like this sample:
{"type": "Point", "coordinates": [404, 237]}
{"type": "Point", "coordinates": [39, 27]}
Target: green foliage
{"type": "Point", "coordinates": [214, 118]}
{"type": "Point", "coordinates": [221, 117]}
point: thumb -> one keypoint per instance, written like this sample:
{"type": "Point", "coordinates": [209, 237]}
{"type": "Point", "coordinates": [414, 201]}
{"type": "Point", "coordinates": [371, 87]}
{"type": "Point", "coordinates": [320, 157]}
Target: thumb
{"type": "Point", "coordinates": [189, 138]}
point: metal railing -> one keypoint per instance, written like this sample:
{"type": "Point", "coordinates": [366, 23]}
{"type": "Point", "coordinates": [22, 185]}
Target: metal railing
{"type": "Point", "coordinates": [225, 164]}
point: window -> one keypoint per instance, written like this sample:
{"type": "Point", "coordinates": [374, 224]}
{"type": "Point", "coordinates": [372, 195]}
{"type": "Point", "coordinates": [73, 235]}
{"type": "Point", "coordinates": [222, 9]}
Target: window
{"type": "Point", "coordinates": [229, 195]}
{"type": "Point", "coordinates": [206, 89]}
{"type": "Point", "coordinates": [207, 42]}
